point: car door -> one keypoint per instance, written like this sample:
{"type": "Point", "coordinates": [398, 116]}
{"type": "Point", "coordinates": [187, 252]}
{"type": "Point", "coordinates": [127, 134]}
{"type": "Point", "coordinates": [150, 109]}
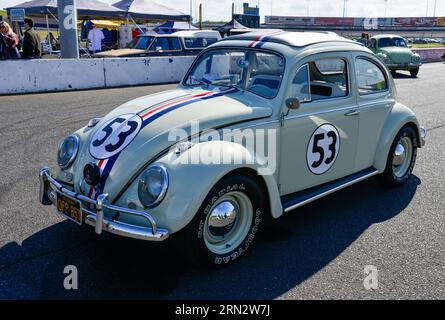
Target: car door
{"type": "Point", "coordinates": [319, 139]}
{"type": "Point", "coordinates": [375, 103]}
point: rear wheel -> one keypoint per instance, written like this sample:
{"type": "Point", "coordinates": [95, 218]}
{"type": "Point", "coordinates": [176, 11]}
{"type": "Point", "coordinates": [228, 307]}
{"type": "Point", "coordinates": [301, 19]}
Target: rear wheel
{"type": "Point", "coordinates": [401, 158]}
{"type": "Point", "coordinates": [226, 224]}
{"type": "Point", "coordinates": [414, 72]}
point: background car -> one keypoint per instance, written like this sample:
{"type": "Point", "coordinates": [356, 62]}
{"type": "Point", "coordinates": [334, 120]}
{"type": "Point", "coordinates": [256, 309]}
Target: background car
{"type": "Point", "coordinates": [395, 53]}
{"type": "Point", "coordinates": [181, 43]}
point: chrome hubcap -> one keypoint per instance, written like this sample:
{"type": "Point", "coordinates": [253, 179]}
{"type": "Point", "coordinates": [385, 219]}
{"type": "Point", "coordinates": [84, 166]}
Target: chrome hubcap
{"type": "Point", "coordinates": [402, 157]}
{"type": "Point", "coordinates": [228, 222]}
{"type": "Point", "coordinates": [399, 155]}
{"type": "Point", "coordinates": [222, 218]}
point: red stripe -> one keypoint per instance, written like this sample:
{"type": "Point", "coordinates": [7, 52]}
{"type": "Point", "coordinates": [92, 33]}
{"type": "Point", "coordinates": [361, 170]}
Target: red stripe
{"type": "Point", "coordinates": [174, 102]}
{"type": "Point", "coordinates": [90, 192]}
{"type": "Point", "coordinates": [100, 163]}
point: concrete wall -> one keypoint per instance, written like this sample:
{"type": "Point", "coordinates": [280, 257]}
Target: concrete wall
{"type": "Point", "coordinates": [26, 76]}
{"type": "Point", "coordinates": [431, 55]}
{"type": "Point", "coordinates": [136, 71]}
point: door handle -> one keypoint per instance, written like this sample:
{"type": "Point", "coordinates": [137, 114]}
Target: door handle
{"type": "Point", "coordinates": [352, 113]}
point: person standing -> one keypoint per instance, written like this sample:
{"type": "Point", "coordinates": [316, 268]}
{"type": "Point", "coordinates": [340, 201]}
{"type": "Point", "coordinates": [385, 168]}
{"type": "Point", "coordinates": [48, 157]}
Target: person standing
{"type": "Point", "coordinates": [95, 36]}
{"type": "Point", "coordinates": [10, 42]}
{"type": "Point", "coordinates": [31, 41]}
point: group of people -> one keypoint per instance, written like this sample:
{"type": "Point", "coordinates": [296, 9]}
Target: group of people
{"type": "Point", "coordinates": [10, 42]}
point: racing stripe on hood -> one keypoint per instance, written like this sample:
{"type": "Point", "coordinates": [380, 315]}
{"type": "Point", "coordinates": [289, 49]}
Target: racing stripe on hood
{"type": "Point", "coordinates": [148, 117]}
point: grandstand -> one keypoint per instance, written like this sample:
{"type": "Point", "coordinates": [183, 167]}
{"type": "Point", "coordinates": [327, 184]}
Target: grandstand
{"type": "Point", "coordinates": [405, 26]}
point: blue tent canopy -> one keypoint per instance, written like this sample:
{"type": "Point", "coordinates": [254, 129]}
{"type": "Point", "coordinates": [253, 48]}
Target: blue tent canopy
{"type": "Point", "coordinates": [147, 9]}
{"type": "Point", "coordinates": [173, 26]}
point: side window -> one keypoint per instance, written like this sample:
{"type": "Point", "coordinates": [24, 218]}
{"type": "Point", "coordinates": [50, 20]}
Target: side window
{"type": "Point", "coordinates": [322, 79]}
{"type": "Point", "coordinates": [174, 44]}
{"type": "Point", "coordinates": [370, 78]}
{"type": "Point", "coordinates": [300, 84]}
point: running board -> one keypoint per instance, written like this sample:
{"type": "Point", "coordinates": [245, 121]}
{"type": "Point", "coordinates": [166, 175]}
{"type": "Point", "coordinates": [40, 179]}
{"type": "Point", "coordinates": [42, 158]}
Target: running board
{"type": "Point", "coordinates": [298, 199]}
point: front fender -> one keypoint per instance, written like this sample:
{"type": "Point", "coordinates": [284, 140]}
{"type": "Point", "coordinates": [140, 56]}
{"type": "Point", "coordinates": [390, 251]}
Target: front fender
{"type": "Point", "coordinates": [190, 181]}
{"type": "Point", "coordinates": [399, 116]}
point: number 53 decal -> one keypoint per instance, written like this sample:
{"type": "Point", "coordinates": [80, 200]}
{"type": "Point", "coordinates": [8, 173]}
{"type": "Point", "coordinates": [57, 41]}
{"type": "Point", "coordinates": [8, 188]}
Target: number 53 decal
{"type": "Point", "coordinates": [114, 136]}
{"type": "Point", "coordinates": [322, 150]}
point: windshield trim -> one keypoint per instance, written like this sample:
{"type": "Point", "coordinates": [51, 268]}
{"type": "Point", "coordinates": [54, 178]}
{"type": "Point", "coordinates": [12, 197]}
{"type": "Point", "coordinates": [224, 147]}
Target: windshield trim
{"type": "Point", "coordinates": [198, 57]}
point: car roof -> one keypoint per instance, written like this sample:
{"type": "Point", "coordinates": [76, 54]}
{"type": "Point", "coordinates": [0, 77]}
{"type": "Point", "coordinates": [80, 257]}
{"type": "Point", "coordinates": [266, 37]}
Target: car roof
{"type": "Point", "coordinates": [293, 39]}
{"type": "Point", "coordinates": [381, 36]}
{"type": "Point", "coordinates": [191, 34]}
{"type": "Point", "coordinates": [196, 33]}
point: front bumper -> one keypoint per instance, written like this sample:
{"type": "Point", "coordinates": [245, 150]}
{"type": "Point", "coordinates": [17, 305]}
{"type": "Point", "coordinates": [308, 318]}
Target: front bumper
{"type": "Point", "coordinates": [404, 66]}
{"type": "Point", "coordinates": [423, 133]}
{"type": "Point", "coordinates": [49, 188]}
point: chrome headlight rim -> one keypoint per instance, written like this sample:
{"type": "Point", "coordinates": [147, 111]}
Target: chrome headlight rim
{"type": "Point", "coordinates": [73, 156]}
{"type": "Point", "coordinates": [384, 57]}
{"type": "Point", "coordinates": [165, 184]}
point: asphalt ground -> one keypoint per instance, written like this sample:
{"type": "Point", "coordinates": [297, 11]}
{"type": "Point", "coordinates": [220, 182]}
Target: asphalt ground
{"type": "Point", "coordinates": [319, 251]}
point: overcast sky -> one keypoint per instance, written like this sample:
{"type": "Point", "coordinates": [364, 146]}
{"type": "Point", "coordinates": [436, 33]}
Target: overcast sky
{"type": "Point", "coordinates": [221, 9]}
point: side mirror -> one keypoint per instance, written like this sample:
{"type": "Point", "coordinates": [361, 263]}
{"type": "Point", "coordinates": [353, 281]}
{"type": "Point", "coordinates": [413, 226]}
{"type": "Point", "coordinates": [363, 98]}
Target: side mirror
{"type": "Point", "coordinates": [293, 103]}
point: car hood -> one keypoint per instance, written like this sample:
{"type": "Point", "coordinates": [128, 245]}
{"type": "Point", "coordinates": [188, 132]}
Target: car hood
{"type": "Point", "coordinates": [159, 114]}
{"type": "Point", "coordinates": [119, 53]}
{"type": "Point", "coordinates": [398, 54]}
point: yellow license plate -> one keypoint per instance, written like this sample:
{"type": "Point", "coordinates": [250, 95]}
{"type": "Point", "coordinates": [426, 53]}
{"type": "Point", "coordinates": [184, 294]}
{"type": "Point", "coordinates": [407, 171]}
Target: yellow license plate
{"type": "Point", "coordinates": [69, 208]}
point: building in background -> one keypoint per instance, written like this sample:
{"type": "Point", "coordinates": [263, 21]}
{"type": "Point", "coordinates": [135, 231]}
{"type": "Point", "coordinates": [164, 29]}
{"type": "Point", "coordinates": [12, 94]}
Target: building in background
{"type": "Point", "coordinates": [250, 16]}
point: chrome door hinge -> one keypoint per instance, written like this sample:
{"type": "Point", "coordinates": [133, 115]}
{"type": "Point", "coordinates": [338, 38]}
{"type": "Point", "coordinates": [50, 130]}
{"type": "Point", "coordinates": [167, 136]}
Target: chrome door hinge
{"type": "Point", "coordinates": [282, 119]}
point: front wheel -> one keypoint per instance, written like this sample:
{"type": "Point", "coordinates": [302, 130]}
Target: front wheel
{"type": "Point", "coordinates": [226, 224]}
{"type": "Point", "coordinates": [401, 158]}
{"type": "Point", "coordinates": [414, 72]}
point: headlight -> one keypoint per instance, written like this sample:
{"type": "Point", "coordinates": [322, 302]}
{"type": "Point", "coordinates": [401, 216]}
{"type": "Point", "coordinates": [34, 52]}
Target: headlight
{"type": "Point", "coordinates": [383, 57]}
{"type": "Point", "coordinates": [153, 186]}
{"type": "Point", "coordinates": [416, 58]}
{"type": "Point", "coordinates": [68, 151]}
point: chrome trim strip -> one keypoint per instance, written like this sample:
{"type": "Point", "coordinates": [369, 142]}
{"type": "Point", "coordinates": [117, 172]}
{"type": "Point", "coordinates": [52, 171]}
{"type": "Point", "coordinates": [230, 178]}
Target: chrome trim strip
{"type": "Point", "coordinates": [309, 114]}
{"type": "Point", "coordinates": [323, 194]}
{"type": "Point", "coordinates": [98, 220]}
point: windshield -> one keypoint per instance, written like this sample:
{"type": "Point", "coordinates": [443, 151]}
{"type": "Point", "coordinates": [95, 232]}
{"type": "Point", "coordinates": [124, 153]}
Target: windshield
{"type": "Point", "coordinates": [142, 42]}
{"type": "Point", "coordinates": [256, 71]}
{"type": "Point", "coordinates": [392, 42]}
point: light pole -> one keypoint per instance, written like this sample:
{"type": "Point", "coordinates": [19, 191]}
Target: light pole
{"type": "Point", "coordinates": [386, 7]}
{"type": "Point", "coordinates": [434, 17]}
{"type": "Point", "coordinates": [308, 3]}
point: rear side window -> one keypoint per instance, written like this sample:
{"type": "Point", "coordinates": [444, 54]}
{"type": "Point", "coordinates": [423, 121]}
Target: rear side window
{"type": "Point", "coordinates": [195, 43]}
{"type": "Point", "coordinates": [370, 78]}
{"type": "Point", "coordinates": [166, 44]}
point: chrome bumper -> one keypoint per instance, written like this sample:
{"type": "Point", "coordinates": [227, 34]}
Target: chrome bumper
{"type": "Point", "coordinates": [404, 66]}
{"type": "Point", "coordinates": [423, 133]}
{"type": "Point", "coordinates": [49, 188]}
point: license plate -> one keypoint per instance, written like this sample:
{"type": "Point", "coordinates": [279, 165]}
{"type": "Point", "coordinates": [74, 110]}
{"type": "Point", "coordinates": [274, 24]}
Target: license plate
{"type": "Point", "coordinates": [69, 208]}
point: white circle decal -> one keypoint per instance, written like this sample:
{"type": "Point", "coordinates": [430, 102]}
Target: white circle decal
{"type": "Point", "coordinates": [115, 135]}
{"type": "Point", "coordinates": [322, 149]}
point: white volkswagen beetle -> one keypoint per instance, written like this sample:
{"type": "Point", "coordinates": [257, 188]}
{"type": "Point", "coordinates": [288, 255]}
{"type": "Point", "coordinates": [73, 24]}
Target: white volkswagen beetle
{"type": "Point", "coordinates": [163, 166]}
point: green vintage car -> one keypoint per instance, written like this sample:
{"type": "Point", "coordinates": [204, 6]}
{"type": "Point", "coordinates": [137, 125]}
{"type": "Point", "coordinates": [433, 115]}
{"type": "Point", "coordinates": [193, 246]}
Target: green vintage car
{"type": "Point", "coordinates": [394, 51]}
{"type": "Point", "coordinates": [262, 124]}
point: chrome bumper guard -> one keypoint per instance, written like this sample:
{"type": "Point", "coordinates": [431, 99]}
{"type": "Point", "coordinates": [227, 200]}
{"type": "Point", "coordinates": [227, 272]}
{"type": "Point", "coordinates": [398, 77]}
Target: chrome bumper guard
{"type": "Point", "coordinates": [97, 219]}
{"type": "Point", "coordinates": [423, 133]}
